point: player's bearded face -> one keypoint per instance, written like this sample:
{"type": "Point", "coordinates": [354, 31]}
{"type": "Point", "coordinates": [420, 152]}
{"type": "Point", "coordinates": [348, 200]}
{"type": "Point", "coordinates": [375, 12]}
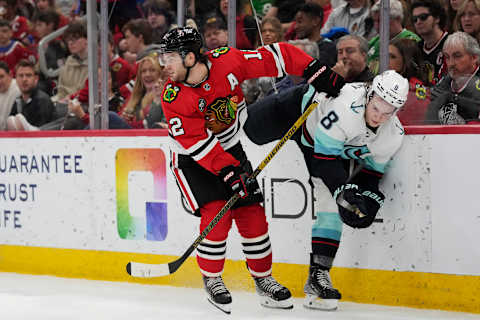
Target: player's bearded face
{"type": "Point", "coordinates": [173, 66]}
{"type": "Point", "coordinates": [378, 111]}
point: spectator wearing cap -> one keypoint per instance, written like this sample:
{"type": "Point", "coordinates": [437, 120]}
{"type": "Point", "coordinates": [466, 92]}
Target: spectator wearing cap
{"type": "Point", "coordinates": [215, 33]}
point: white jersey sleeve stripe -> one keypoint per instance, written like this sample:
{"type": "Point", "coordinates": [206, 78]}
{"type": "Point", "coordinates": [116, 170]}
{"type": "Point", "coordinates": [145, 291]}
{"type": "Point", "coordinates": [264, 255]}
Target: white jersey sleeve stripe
{"type": "Point", "coordinates": [200, 153]}
{"type": "Point", "coordinates": [280, 57]}
{"type": "Point", "coordinates": [183, 184]}
{"type": "Point", "coordinates": [201, 144]}
{"type": "Point", "coordinates": [278, 60]}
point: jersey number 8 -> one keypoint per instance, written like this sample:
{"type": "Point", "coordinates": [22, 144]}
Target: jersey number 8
{"type": "Point", "coordinates": [329, 120]}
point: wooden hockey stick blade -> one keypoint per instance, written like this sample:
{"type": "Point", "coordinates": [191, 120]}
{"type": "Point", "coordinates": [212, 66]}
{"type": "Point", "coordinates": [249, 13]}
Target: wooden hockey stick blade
{"type": "Point", "coordinates": [145, 270]}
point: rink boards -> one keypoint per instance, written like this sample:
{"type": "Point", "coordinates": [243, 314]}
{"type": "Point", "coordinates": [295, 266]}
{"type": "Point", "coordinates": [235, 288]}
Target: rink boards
{"type": "Point", "coordinates": [83, 206]}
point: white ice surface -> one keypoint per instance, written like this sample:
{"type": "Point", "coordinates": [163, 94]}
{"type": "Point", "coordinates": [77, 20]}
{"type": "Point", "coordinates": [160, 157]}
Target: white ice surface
{"type": "Point", "coordinates": [25, 297]}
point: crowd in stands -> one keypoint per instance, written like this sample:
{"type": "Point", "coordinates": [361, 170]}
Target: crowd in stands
{"type": "Point", "coordinates": [433, 43]}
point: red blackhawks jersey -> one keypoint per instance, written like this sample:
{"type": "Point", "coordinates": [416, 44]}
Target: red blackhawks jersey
{"type": "Point", "coordinates": [14, 52]}
{"type": "Point", "coordinates": [206, 120]}
{"type": "Point", "coordinates": [20, 27]}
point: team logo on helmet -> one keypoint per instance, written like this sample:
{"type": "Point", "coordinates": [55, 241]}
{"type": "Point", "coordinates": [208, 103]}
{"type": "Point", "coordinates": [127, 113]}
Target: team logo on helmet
{"type": "Point", "coordinates": [201, 104]}
{"type": "Point", "coordinates": [170, 93]}
{"type": "Point", "coordinates": [219, 51]}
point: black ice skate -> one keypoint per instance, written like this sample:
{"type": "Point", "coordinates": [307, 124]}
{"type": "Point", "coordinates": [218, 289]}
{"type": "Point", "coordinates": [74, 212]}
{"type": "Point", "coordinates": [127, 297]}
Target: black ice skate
{"type": "Point", "coordinates": [273, 294]}
{"type": "Point", "coordinates": [320, 294]}
{"type": "Point", "coordinates": [218, 294]}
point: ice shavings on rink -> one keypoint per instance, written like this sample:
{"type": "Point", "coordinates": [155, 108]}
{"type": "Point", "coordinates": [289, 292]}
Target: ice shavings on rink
{"type": "Point", "coordinates": [50, 298]}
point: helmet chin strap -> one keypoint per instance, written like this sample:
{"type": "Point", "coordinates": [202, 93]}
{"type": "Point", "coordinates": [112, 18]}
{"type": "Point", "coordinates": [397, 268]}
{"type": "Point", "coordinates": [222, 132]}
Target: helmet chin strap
{"type": "Point", "coordinates": [188, 68]}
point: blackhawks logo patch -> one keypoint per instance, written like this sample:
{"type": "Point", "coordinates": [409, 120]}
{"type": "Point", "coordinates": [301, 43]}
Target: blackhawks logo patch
{"type": "Point", "coordinates": [170, 93]}
{"type": "Point", "coordinates": [420, 91]}
{"type": "Point", "coordinates": [116, 66]}
{"type": "Point", "coordinates": [219, 51]}
{"type": "Point", "coordinates": [220, 114]}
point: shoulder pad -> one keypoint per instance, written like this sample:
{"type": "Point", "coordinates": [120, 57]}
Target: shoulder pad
{"type": "Point", "coordinates": [353, 97]}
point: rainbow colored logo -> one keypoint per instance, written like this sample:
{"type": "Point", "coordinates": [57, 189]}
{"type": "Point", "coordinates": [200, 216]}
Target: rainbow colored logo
{"type": "Point", "coordinates": [141, 185]}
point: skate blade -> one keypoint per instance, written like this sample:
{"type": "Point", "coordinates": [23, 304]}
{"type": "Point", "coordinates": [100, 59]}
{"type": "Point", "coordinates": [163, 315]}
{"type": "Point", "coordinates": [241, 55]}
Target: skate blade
{"type": "Point", "coordinates": [268, 302]}
{"type": "Point", "coordinates": [314, 302]}
{"type": "Point", "coordinates": [227, 308]}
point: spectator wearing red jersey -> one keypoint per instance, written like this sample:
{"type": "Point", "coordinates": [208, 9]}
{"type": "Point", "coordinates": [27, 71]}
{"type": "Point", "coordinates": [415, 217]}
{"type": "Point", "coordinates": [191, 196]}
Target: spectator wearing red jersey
{"type": "Point", "coordinates": [21, 27]}
{"type": "Point", "coordinates": [124, 72]}
{"type": "Point", "coordinates": [12, 51]}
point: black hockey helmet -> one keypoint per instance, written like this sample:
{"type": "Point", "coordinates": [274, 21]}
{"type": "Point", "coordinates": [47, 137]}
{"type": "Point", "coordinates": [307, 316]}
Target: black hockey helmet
{"type": "Point", "coordinates": [182, 40]}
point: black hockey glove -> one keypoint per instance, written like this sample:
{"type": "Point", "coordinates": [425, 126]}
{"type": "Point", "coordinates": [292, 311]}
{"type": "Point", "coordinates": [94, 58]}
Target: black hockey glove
{"type": "Point", "coordinates": [323, 78]}
{"type": "Point", "coordinates": [358, 209]}
{"type": "Point", "coordinates": [236, 180]}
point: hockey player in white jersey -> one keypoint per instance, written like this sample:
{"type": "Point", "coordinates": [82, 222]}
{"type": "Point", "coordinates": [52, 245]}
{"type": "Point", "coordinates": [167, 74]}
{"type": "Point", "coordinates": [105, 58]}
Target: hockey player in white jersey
{"type": "Point", "coordinates": [358, 126]}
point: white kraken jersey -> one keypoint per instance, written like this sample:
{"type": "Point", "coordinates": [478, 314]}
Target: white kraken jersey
{"type": "Point", "coordinates": [338, 127]}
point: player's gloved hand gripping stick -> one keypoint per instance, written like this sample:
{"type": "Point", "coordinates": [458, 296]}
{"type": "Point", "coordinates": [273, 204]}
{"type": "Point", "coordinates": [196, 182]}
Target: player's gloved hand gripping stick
{"type": "Point", "coordinates": [145, 270]}
{"type": "Point", "coordinates": [358, 208]}
{"type": "Point", "coordinates": [341, 199]}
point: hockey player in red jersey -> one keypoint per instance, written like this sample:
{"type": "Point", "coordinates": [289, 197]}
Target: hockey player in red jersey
{"type": "Point", "coordinates": [205, 111]}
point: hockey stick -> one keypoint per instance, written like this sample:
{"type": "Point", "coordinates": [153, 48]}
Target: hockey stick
{"type": "Point", "coordinates": [145, 270]}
